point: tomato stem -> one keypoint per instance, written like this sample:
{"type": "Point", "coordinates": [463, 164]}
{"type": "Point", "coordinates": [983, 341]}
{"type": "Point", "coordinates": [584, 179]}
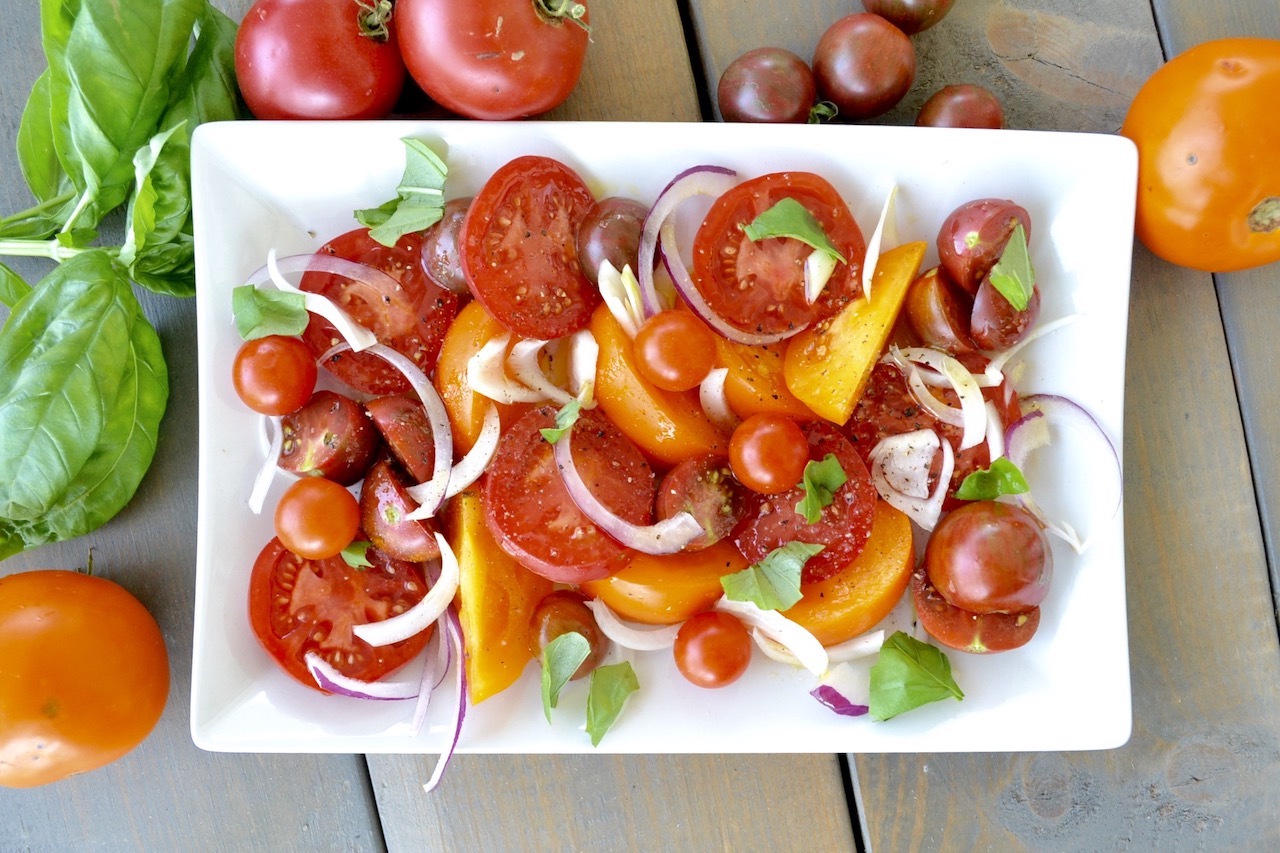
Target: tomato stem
{"type": "Point", "coordinates": [1265, 216]}
{"type": "Point", "coordinates": [374, 17]}
{"type": "Point", "coordinates": [554, 11]}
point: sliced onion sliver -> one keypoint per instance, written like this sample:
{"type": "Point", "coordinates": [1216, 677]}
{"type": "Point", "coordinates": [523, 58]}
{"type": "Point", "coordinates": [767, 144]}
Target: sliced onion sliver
{"type": "Point", "coordinates": [434, 669]}
{"type": "Point", "coordinates": [884, 226]}
{"type": "Point", "coordinates": [469, 468]}
{"type": "Point", "coordinates": [356, 335]}
{"type": "Point", "coordinates": [804, 647]}
{"type": "Point", "coordinates": [818, 268]}
{"type": "Point", "coordinates": [901, 490]}
{"type": "Point", "coordinates": [416, 619]}
{"type": "Point", "coordinates": [715, 403]}
{"type": "Point", "coordinates": [844, 689]}
{"type": "Point", "coordinates": [330, 679]}
{"type": "Point", "coordinates": [858, 647]}
{"type": "Point", "coordinates": [994, 373]}
{"type": "Point", "coordinates": [695, 181]}
{"type": "Point", "coordinates": [972, 414]}
{"type": "Point", "coordinates": [1031, 432]}
{"type": "Point", "coordinates": [666, 537]}
{"type": "Point", "coordinates": [646, 639]}
{"type": "Point", "coordinates": [584, 358]}
{"type": "Point", "coordinates": [487, 374]}
{"type": "Point", "coordinates": [528, 370]}
{"type": "Point", "coordinates": [454, 631]}
{"type": "Point", "coordinates": [621, 294]}
{"type": "Point", "coordinates": [273, 427]}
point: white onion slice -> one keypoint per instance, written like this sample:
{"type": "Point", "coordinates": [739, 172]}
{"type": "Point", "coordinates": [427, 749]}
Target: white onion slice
{"type": "Point", "coordinates": [647, 639]}
{"type": "Point", "coordinates": [469, 468]}
{"type": "Point", "coordinates": [528, 371]}
{"type": "Point", "coordinates": [995, 432]}
{"type": "Point", "coordinates": [804, 647]}
{"type": "Point", "coordinates": [487, 374]}
{"type": "Point", "coordinates": [994, 373]}
{"type": "Point", "coordinates": [715, 403]}
{"type": "Point", "coordinates": [972, 414]}
{"type": "Point", "coordinates": [903, 452]}
{"type": "Point", "coordinates": [818, 268]}
{"type": "Point", "coordinates": [356, 335]}
{"type": "Point", "coordinates": [844, 689]}
{"type": "Point", "coordinates": [584, 358]}
{"type": "Point", "coordinates": [330, 679]}
{"type": "Point", "coordinates": [416, 619]}
{"type": "Point", "coordinates": [454, 631]}
{"type": "Point", "coordinates": [852, 649]}
{"type": "Point", "coordinates": [621, 294]}
{"type": "Point", "coordinates": [666, 537]}
{"type": "Point", "coordinates": [273, 428]}
{"type": "Point", "coordinates": [434, 669]}
{"type": "Point", "coordinates": [884, 226]}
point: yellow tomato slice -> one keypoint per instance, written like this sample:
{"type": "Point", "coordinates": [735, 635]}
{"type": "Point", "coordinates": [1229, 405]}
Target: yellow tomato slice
{"type": "Point", "coordinates": [670, 589]}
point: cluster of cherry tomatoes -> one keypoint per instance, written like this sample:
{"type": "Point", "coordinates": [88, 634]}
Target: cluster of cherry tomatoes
{"type": "Point", "coordinates": [862, 66]}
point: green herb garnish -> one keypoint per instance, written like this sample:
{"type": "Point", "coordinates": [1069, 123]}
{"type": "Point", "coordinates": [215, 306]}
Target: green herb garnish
{"type": "Point", "coordinates": [560, 660]}
{"type": "Point", "coordinates": [1002, 478]}
{"type": "Point", "coordinates": [774, 582]}
{"type": "Point", "coordinates": [260, 313]}
{"type": "Point", "coordinates": [565, 419]}
{"type": "Point", "coordinates": [419, 200]}
{"type": "Point", "coordinates": [1013, 275]}
{"type": "Point", "coordinates": [790, 218]}
{"type": "Point", "coordinates": [356, 554]}
{"type": "Point", "coordinates": [909, 674]}
{"type": "Point", "coordinates": [610, 687]}
{"type": "Point", "coordinates": [820, 482]}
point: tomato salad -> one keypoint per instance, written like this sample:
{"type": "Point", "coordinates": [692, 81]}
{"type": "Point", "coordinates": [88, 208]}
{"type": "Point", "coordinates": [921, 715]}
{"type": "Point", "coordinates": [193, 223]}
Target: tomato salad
{"type": "Point", "coordinates": [545, 428]}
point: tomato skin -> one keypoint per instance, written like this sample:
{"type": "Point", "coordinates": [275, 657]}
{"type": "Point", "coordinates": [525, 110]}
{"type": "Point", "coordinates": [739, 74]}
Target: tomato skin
{"type": "Point", "coordinates": [961, 105]}
{"type": "Point", "coordinates": [564, 612]}
{"type": "Point", "coordinates": [973, 237]}
{"type": "Point", "coordinates": [864, 65]}
{"type": "Point", "coordinates": [965, 631]}
{"type": "Point", "coordinates": [767, 84]}
{"type": "Point", "coordinates": [86, 675]}
{"type": "Point", "coordinates": [712, 649]}
{"type": "Point", "coordinates": [328, 437]}
{"type": "Point", "coordinates": [274, 375]}
{"type": "Point", "coordinates": [674, 350]}
{"type": "Point", "coordinates": [1206, 126]}
{"type": "Point", "coordinates": [384, 503]}
{"type": "Point", "coordinates": [316, 518]}
{"type": "Point", "coordinates": [938, 312]}
{"type": "Point", "coordinates": [910, 16]}
{"type": "Point", "coordinates": [611, 232]}
{"type": "Point", "coordinates": [497, 59]}
{"type": "Point", "coordinates": [307, 59]}
{"type": "Point", "coordinates": [990, 557]}
{"type": "Point", "coordinates": [406, 432]}
{"type": "Point", "coordinates": [768, 453]}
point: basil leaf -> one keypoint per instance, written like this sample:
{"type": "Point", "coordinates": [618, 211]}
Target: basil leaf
{"type": "Point", "coordinates": [790, 218]}
{"type": "Point", "coordinates": [909, 674]}
{"type": "Point", "coordinates": [1002, 478]}
{"type": "Point", "coordinates": [355, 555]}
{"type": "Point", "coordinates": [610, 687]}
{"type": "Point", "coordinates": [419, 201]}
{"type": "Point", "coordinates": [39, 162]}
{"type": "Point", "coordinates": [820, 482]}
{"type": "Point", "coordinates": [1013, 275]}
{"type": "Point", "coordinates": [560, 660]}
{"type": "Point", "coordinates": [565, 419]}
{"type": "Point", "coordinates": [13, 287]}
{"type": "Point", "coordinates": [140, 218]}
{"type": "Point", "coordinates": [774, 582]}
{"type": "Point", "coordinates": [167, 268]}
{"type": "Point", "coordinates": [259, 313]}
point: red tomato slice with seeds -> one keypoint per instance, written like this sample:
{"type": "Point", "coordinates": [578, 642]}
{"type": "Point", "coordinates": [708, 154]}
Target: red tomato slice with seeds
{"type": "Point", "coordinates": [519, 247]}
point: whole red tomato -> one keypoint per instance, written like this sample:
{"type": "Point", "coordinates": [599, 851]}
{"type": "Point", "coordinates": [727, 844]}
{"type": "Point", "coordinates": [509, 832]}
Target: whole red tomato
{"type": "Point", "coordinates": [494, 59]}
{"type": "Point", "coordinates": [319, 59]}
{"type": "Point", "coordinates": [1206, 127]}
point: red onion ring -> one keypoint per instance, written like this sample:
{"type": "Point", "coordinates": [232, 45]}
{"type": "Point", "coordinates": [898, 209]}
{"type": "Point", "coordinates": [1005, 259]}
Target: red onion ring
{"type": "Point", "coordinates": [844, 690]}
{"type": "Point", "coordinates": [454, 631]}
{"type": "Point", "coordinates": [330, 679]}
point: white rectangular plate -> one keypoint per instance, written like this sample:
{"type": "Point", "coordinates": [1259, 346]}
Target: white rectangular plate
{"type": "Point", "coordinates": [291, 186]}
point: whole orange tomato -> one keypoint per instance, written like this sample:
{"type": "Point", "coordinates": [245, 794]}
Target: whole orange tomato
{"type": "Point", "coordinates": [83, 675]}
{"type": "Point", "coordinates": [1206, 126]}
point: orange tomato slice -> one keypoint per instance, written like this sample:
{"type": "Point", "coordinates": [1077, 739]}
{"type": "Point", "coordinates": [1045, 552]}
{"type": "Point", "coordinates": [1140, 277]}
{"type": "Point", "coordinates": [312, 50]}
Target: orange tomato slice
{"type": "Point", "coordinates": [670, 589]}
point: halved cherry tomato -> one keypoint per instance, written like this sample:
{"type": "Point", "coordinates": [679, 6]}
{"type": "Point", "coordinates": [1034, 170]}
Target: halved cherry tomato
{"type": "Point", "coordinates": [965, 631]}
{"type": "Point", "coordinates": [995, 324]}
{"type": "Point", "coordinates": [298, 606]}
{"type": "Point", "coordinates": [938, 312]}
{"type": "Point", "coordinates": [316, 518]}
{"type": "Point", "coordinates": [411, 319]}
{"type": "Point", "coordinates": [329, 437]}
{"type": "Point", "coordinates": [668, 589]}
{"type": "Point", "coordinates": [531, 514]}
{"type": "Point", "coordinates": [384, 505]}
{"type": "Point", "coordinates": [674, 350]}
{"type": "Point", "coordinates": [563, 612]}
{"type": "Point", "coordinates": [768, 453]}
{"type": "Point", "coordinates": [611, 232]}
{"type": "Point", "coordinates": [990, 557]}
{"type": "Point", "coordinates": [973, 237]}
{"type": "Point", "coordinates": [274, 375]}
{"type": "Point", "coordinates": [519, 248]}
{"type": "Point", "coordinates": [703, 486]}
{"type": "Point", "coordinates": [406, 432]}
{"type": "Point", "coordinates": [712, 649]}
{"type": "Point", "coordinates": [758, 286]}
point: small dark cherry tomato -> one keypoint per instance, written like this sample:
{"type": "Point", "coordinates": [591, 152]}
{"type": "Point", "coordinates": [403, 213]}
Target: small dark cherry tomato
{"type": "Point", "coordinates": [274, 375]}
{"type": "Point", "coordinates": [864, 65]}
{"type": "Point", "coordinates": [712, 649]}
{"type": "Point", "coordinates": [767, 84]}
{"type": "Point", "coordinates": [674, 350]}
{"type": "Point", "coordinates": [611, 232]}
{"type": "Point", "coordinates": [316, 518]}
{"type": "Point", "coordinates": [441, 258]}
{"type": "Point", "coordinates": [565, 612]}
{"type": "Point", "coordinates": [768, 452]}
{"type": "Point", "coordinates": [938, 312]}
{"type": "Point", "coordinates": [910, 16]}
{"type": "Point", "coordinates": [961, 105]}
{"type": "Point", "coordinates": [995, 324]}
{"type": "Point", "coordinates": [990, 557]}
{"type": "Point", "coordinates": [973, 236]}
{"type": "Point", "coordinates": [965, 631]}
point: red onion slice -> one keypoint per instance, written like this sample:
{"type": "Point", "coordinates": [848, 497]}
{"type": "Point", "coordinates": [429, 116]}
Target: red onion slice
{"type": "Point", "coordinates": [454, 632]}
{"type": "Point", "coordinates": [469, 468]}
{"type": "Point", "coordinates": [898, 462]}
{"type": "Point", "coordinates": [434, 670]}
{"type": "Point", "coordinates": [845, 690]}
{"type": "Point", "coordinates": [666, 537]}
{"type": "Point", "coordinates": [629, 636]}
{"type": "Point", "coordinates": [330, 679]}
{"type": "Point", "coordinates": [972, 414]}
{"type": "Point", "coordinates": [771, 624]}
{"type": "Point", "coordinates": [416, 619]}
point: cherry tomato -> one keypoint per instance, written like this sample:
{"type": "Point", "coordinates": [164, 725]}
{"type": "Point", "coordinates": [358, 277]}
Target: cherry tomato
{"type": "Point", "coordinates": [938, 312]}
{"type": "Point", "coordinates": [519, 248]}
{"type": "Point", "coordinates": [768, 453]}
{"type": "Point", "coordinates": [1208, 179]}
{"type": "Point", "coordinates": [329, 437]}
{"type": "Point", "coordinates": [86, 675]}
{"type": "Point", "coordinates": [529, 510]}
{"type": "Point", "coordinates": [611, 232]}
{"type": "Point", "coordinates": [768, 84]}
{"type": "Point", "coordinates": [995, 324]}
{"type": "Point", "coordinates": [316, 518]}
{"type": "Point", "coordinates": [318, 59]}
{"type": "Point", "coordinates": [406, 432]}
{"type": "Point", "coordinates": [274, 375]}
{"type": "Point", "coordinates": [863, 65]}
{"type": "Point", "coordinates": [494, 59]}
{"type": "Point", "coordinates": [973, 237]}
{"type": "Point", "coordinates": [674, 350]}
{"type": "Point", "coordinates": [758, 286]}
{"type": "Point", "coordinates": [565, 612]}
{"type": "Point", "coordinates": [712, 649]}
{"type": "Point", "coordinates": [842, 528]}
{"type": "Point", "coordinates": [411, 318]}
{"type": "Point", "coordinates": [990, 557]}
{"type": "Point", "coordinates": [976, 633]}
{"type": "Point", "coordinates": [910, 16]}
{"type": "Point", "coordinates": [441, 251]}
{"type": "Point", "coordinates": [705, 487]}
{"type": "Point", "coordinates": [298, 606]}
{"type": "Point", "coordinates": [384, 503]}
{"type": "Point", "coordinates": [961, 105]}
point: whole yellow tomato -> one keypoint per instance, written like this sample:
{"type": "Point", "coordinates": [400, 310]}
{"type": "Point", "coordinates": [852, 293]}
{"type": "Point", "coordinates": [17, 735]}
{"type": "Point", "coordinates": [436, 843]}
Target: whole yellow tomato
{"type": "Point", "coordinates": [83, 675]}
{"type": "Point", "coordinates": [1207, 129]}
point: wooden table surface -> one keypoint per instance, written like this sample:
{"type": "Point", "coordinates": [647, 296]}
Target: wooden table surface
{"type": "Point", "coordinates": [1202, 481]}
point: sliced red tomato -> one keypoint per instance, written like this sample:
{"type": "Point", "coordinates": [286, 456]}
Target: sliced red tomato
{"type": "Point", "coordinates": [703, 486]}
{"type": "Point", "coordinates": [328, 437]}
{"type": "Point", "coordinates": [976, 633]}
{"type": "Point", "coordinates": [844, 527]}
{"type": "Point", "coordinates": [384, 505]}
{"type": "Point", "coordinates": [529, 510]}
{"type": "Point", "coordinates": [405, 429]}
{"type": "Point", "coordinates": [758, 286]}
{"type": "Point", "coordinates": [412, 319]}
{"type": "Point", "coordinates": [298, 606]}
{"type": "Point", "coordinates": [520, 248]}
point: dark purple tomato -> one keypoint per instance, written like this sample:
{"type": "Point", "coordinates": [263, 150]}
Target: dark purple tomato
{"type": "Point", "coordinates": [705, 487]}
{"type": "Point", "coordinates": [440, 258]}
{"type": "Point", "coordinates": [976, 633]}
{"type": "Point", "coordinates": [938, 312]}
{"type": "Point", "coordinates": [910, 16]}
{"type": "Point", "coordinates": [973, 237]}
{"type": "Point", "coordinates": [864, 65]}
{"type": "Point", "coordinates": [384, 505]}
{"type": "Point", "coordinates": [768, 84]}
{"type": "Point", "coordinates": [403, 423]}
{"type": "Point", "coordinates": [611, 232]}
{"type": "Point", "coordinates": [565, 612]}
{"type": "Point", "coordinates": [990, 557]}
{"type": "Point", "coordinates": [995, 324]}
{"type": "Point", "coordinates": [962, 105]}
{"type": "Point", "coordinates": [329, 437]}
